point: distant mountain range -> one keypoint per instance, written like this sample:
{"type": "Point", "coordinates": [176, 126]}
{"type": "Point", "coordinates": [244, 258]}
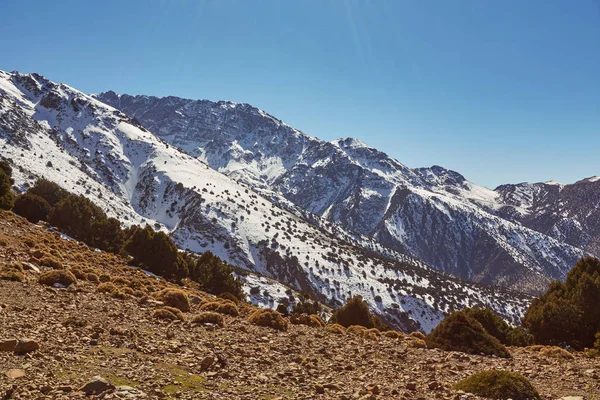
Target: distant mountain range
{"type": "Point", "coordinates": [334, 219]}
{"type": "Point", "coordinates": [518, 236]}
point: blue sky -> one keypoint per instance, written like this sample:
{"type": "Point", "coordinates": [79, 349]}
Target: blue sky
{"type": "Point", "coordinates": [501, 91]}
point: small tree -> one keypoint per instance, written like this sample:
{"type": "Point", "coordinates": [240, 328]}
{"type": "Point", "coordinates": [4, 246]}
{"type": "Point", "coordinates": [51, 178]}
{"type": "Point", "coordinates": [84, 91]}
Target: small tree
{"type": "Point", "coordinates": [32, 207]}
{"type": "Point", "coordinates": [7, 197]}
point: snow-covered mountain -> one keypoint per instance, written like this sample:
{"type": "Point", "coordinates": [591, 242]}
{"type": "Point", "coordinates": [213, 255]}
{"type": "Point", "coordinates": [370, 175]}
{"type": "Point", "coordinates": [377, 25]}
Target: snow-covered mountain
{"type": "Point", "coordinates": [432, 213]}
{"type": "Point", "coordinates": [54, 131]}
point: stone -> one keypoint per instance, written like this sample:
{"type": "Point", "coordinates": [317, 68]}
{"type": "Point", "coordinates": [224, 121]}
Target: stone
{"type": "Point", "coordinates": [8, 344]}
{"type": "Point", "coordinates": [128, 392]}
{"type": "Point", "coordinates": [207, 362]}
{"type": "Point", "coordinates": [27, 266]}
{"type": "Point", "coordinates": [15, 373]}
{"type": "Point", "coordinates": [411, 386]}
{"type": "Point", "coordinates": [319, 389]}
{"type": "Point", "coordinates": [26, 346]}
{"type": "Point", "coordinates": [97, 385]}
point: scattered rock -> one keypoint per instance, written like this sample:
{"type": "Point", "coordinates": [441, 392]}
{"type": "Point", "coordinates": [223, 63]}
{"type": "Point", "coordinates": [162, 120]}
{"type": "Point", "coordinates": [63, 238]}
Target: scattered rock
{"type": "Point", "coordinates": [26, 346]}
{"type": "Point", "coordinates": [97, 385]}
{"type": "Point", "coordinates": [15, 373]}
{"type": "Point", "coordinates": [8, 344]}
{"type": "Point", "coordinates": [128, 392]}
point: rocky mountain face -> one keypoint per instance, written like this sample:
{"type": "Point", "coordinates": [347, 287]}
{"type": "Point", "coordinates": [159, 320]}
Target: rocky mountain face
{"type": "Point", "coordinates": [54, 131]}
{"type": "Point", "coordinates": [569, 213]}
{"type": "Point", "coordinates": [508, 237]}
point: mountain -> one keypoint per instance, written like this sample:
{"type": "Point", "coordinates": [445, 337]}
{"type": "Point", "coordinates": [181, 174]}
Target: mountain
{"type": "Point", "coordinates": [432, 213]}
{"type": "Point", "coordinates": [57, 132]}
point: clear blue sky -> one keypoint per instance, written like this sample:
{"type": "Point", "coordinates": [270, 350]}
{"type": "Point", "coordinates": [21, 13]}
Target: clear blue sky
{"type": "Point", "coordinates": [501, 91]}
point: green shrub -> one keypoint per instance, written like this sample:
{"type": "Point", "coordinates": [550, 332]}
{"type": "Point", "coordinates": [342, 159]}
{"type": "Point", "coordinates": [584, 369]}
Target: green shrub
{"type": "Point", "coordinates": [48, 191]}
{"type": "Point", "coordinates": [216, 276]}
{"type": "Point", "coordinates": [568, 312]}
{"type": "Point", "coordinates": [7, 197]}
{"type": "Point", "coordinates": [500, 385]}
{"type": "Point", "coordinates": [354, 312]}
{"type": "Point", "coordinates": [459, 332]}
{"type": "Point", "coordinates": [32, 207]}
{"type": "Point", "coordinates": [208, 317]}
{"type": "Point", "coordinates": [269, 318]}
{"type": "Point", "coordinates": [519, 336]}
{"type": "Point", "coordinates": [498, 328]}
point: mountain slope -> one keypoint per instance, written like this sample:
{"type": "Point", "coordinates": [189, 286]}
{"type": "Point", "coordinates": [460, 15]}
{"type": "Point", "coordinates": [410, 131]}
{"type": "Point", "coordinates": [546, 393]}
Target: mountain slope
{"type": "Point", "coordinates": [54, 131]}
{"type": "Point", "coordinates": [433, 213]}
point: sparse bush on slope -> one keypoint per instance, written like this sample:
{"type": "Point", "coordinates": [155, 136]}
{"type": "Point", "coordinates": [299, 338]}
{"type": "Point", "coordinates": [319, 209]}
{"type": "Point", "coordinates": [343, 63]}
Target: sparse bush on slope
{"type": "Point", "coordinates": [459, 332]}
{"type": "Point", "coordinates": [57, 276]}
{"type": "Point", "coordinates": [174, 298]}
{"type": "Point", "coordinates": [499, 385]}
{"type": "Point", "coordinates": [356, 312]}
{"type": "Point", "coordinates": [498, 328]}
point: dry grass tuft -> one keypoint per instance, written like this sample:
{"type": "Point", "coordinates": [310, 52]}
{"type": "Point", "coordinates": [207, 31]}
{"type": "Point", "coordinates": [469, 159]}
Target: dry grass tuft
{"type": "Point", "coordinates": [174, 298]}
{"type": "Point", "coordinates": [418, 335]}
{"type": "Point", "coordinates": [57, 276]}
{"type": "Point", "coordinates": [556, 352]}
{"type": "Point", "coordinates": [167, 312]}
{"type": "Point", "coordinates": [12, 272]}
{"type": "Point", "coordinates": [107, 287]}
{"type": "Point", "coordinates": [312, 320]}
{"type": "Point", "coordinates": [222, 307]}
{"type": "Point", "coordinates": [393, 334]}
{"type": "Point", "coordinates": [336, 329]}
{"type": "Point", "coordinates": [269, 318]}
{"type": "Point", "coordinates": [415, 343]}
{"type": "Point", "coordinates": [358, 330]}
{"type": "Point", "coordinates": [208, 317]}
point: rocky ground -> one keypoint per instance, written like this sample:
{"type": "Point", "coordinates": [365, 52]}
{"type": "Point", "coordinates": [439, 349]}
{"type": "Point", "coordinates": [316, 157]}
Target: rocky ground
{"type": "Point", "coordinates": [115, 346]}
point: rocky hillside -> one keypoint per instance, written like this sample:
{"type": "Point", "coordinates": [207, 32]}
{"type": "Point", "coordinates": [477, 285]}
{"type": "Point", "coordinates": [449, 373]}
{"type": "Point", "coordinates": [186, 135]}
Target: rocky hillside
{"type": "Point", "coordinates": [84, 341]}
{"type": "Point", "coordinates": [432, 213]}
{"type": "Point", "coordinates": [54, 131]}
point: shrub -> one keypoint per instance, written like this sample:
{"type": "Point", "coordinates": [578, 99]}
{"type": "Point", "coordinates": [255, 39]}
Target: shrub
{"type": "Point", "coordinates": [48, 191]}
{"type": "Point", "coordinates": [283, 310]}
{"type": "Point", "coordinates": [358, 330]}
{"type": "Point", "coordinates": [50, 262]}
{"type": "Point", "coordinates": [57, 276]}
{"type": "Point", "coordinates": [216, 276]}
{"type": "Point", "coordinates": [221, 307]}
{"type": "Point", "coordinates": [498, 328]}
{"type": "Point", "coordinates": [92, 277]}
{"type": "Point", "coordinates": [418, 335]}
{"type": "Point", "coordinates": [228, 296]}
{"type": "Point", "coordinates": [7, 197]}
{"type": "Point", "coordinates": [32, 207]}
{"type": "Point", "coordinates": [78, 272]}
{"type": "Point", "coordinates": [167, 312]}
{"type": "Point", "coordinates": [519, 336]}
{"type": "Point", "coordinates": [556, 352]}
{"type": "Point", "coordinates": [393, 334]}
{"type": "Point", "coordinates": [354, 312]}
{"type": "Point", "coordinates": [104, 278]}
{"type": "Point", "coordinates": [107, 287]}
{"type": "Point", "coordinates": [499, 385]}
{"type": "Point", "coordinates": [123, 293]}
{"type": "Point", "coordinates": [415, 343]}
{"type": "Point", "coordinates": [174, 298]}
{"type": "Point", "coordinates": [459, 332]}
{"type": "Point", "coordinates": [12, 272]}
{"type": "Point", "coordinates": [269, 318]}
{"type": "Point", "coordinates": [568, 312]}
{"type": "Point", "coordinates": [336, 329]}
{"type": "Point", "coordinates": [208, 317]}
{"type": "Point", "coordinates": [308, 320]}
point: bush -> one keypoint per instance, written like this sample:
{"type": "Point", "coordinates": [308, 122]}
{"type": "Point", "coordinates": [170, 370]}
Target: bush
{"type": "Point", "coordinates": [283, 310]}
{"type": "Point", "coordinates": [12, 272]}
{"type": "Point", "coordinates": [308, 320]}
{"type": "Point", "coordinates": [228, 296]}
{"type": "Point", "coordinates": [50, 262]}
{"type": "Point", "coordinates": [107, 287]}
{"type": "Point", "coordinates": [459, 332]}
{"type": "Point", "coordinates": [222, 307]}
{"type": "Point", "coordinates": [498, 328]}
{"type": "Point", "coordinates": [269, 318]}
{"type": "Point", "coordinates": [499, 385]}
{"type": "Point", "coordinates": [7, 197]}
{"type": "Point", "coordinates": [167, 312]}
{"type": "Point", "coordinates": [216, 276]}
{"type": "Point", "coordinates": [354, 312]}
{"type": "Point", "coordinates": [105, 278]}
{"type": "Point", "coordinates": [174, 298]}
{"type": "Point", "coordinates": [393, 334]}
{"type": "Point", "coordinates": [336, 329]}
{"type": "Point", "coordinates": [568, 312]}
{"type": "Point", "coordinates": [415, 343]}
{"type": "Point", "coordinates": [57, 276]}
{"type": "Point", "coordinates": [556, 352]}
{"type": "Point", "coordinates": [358, 330]}
{"type": "Point", "coordinates": [418, 335]}
{"type": "Point", "coordinates": [32, 207]}
{"type": "Point", "coordinates": [92, 277]}
{"type": "Point", "coordinates": [208, 318]}
{"type": "Point", "coordinates": [48, 191]}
